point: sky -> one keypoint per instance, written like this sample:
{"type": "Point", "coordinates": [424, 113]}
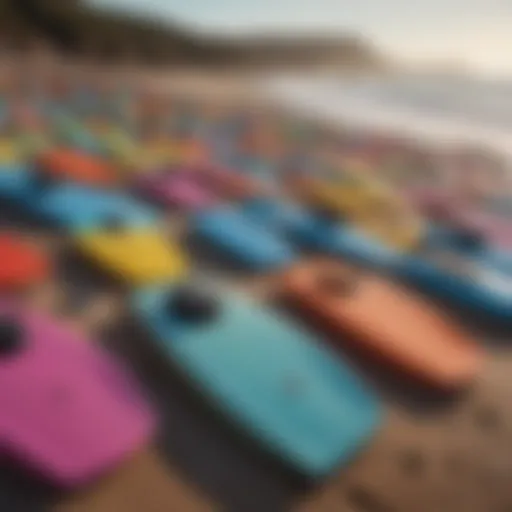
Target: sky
{"type": "Point", "coordinates": [475, 32]}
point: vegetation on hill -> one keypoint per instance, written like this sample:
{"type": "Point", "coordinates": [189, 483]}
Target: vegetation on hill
{"type": "Point", "coordinates": [73, 27]}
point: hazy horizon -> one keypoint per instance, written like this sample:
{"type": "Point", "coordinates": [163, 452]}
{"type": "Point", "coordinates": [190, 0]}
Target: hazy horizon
{"type": "Point", "coordinates": [472, 32]}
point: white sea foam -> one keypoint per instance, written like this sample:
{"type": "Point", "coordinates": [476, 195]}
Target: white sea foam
{"type": "Point", "coordinates": [440, 109]}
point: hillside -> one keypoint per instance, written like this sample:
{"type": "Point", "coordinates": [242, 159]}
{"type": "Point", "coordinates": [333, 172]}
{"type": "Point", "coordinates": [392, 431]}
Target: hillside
{"type": "Point", "coordinates": [74, 28]}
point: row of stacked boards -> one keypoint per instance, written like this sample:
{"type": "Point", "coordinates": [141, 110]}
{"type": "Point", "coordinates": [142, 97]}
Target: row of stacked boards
{"type": "Point", "coordinates": [363, 244]}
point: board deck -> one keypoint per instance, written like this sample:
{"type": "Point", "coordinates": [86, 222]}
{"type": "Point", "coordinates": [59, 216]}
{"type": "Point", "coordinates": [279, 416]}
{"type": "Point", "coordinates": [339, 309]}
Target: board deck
{"type": "Point", "coordinates": [136, 257]}
{"type": "Point", "coordinates": [24, 264]}
{"type": "Point", "coordinates": [77, 166]}
{"type": "Point", "coordinates": [303, 403]}
{"type": "Point", "coordinates": [62, 381]}
{"type": "Point", "coordinates": [244, 241]}
{"type": "Point", "coordinates": [355, 307]}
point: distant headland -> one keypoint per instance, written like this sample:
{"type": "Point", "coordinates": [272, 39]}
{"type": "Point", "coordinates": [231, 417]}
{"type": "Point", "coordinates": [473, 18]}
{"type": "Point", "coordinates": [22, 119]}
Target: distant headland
{"type": "Point", "coordinates": [72, 27]}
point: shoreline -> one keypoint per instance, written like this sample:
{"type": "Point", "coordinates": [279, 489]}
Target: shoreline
{"type": "Point", "coordinates": [315, 95]}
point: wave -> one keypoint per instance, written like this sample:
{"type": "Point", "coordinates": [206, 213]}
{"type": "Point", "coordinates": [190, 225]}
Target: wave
{"type": "Point", "coordinates": [439, 109]}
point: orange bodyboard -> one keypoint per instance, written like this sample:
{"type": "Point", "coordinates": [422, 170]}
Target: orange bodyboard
{"type": "Point", "coordinates": [385, 321]}
{"type": "Point", "coordinates": [23, 264]}
{"type": "Point", "coordinates": [77, 166]}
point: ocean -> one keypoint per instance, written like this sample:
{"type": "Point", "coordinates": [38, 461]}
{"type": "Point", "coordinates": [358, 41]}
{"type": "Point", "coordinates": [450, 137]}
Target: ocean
{"type": "Point", "coordinates": [436, 109]}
